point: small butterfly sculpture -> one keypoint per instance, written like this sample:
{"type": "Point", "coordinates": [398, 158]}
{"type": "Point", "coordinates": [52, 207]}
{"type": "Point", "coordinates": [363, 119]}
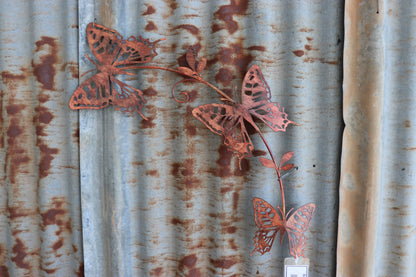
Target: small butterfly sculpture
{"type": "Point", "coordinates": [269, 223]}
{"type": "Point", "coordinates": [114, 55]}
{"type": "Point", "coordinates": [228, 119]}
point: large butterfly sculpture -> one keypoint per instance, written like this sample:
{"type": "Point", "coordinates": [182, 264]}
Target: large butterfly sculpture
{"type": "Point", "coordinates": [114, 55]}
{"type": "Point", "coordinates": [228, 119]}
{"type": "Point", "coordinates": [269, 223]}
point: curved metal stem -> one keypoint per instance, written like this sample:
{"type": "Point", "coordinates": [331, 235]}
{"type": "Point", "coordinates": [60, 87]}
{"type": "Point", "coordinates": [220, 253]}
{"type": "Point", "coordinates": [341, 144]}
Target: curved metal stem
{"type": "Point", "coordinates": [282, 193]}
{"type": "Point", "coordinates": [197, 78]}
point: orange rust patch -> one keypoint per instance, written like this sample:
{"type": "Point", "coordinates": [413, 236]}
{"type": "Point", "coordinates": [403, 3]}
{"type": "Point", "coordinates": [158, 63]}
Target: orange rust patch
{"type": "Point", "coordinates": [20, 252]}
{"type": "Point", "coordinates": [299, 53]}
{"type": "Point", "coordinates": [150, 10]}
{"type": "Point", "coordinates": [150, 26]}
{"type": "Point", "coordinates": [226, 13]}
{"type": "Point", "coordinates": [44, 70]}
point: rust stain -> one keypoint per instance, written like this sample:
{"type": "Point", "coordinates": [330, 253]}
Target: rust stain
{"type": "Point", "coordinates": [75, 134]}
{"type": "Point", "coordinates": [44, 69]}
{"type": "Point", "coordinates": [308, 47]}
{"type": "Point", "coordinates": [309, 39]}
{"type": "Point", "coordinates": [151, 111]}
{"type": "Point", "coordinates": [16, 211]}
{"type": "Point", "coordinates": [150, 91]}
{"type": "Point", "coordinates": [20, 253]}
{"type": "Point", "coordinates": [226, 13]}
{"type": "Point", "coordinates": [224, 76]}
{"type": "Point", "coordinates": [156, 271]}
{"type": "Point", "coordinates": [42, 98]}
{"type": "Point", "coordinates": [185, 172]}
{"type": "Point", "coordinates": [236, 196]}
{"type": "Point", "coordinates": [189, 123]}
{"type": "Point", "coordinates": [4, 271]}
{"type": "Point", "coordinates": [186, 223]}
{"type": "Point", "coordinates": [257, 48]}
{"type": "Point", "coordinates": [191, 28]}
{"type": "Point", "coordinates": [150, 10]}
{"type": "Point", "coordinates": [15, 156]}
{"type": "Point", "coordinates": [306, 30]}
{"type": "Point", "coordinates": [46, 158]}
{"type": "Point", "coordinates": [14, 108]}
{"type": "Point", "coordinates": [172, 4]}
{"type": "Point", "coordinates": [57, 215]}
{"type": "Point", "coordinates": [235, 56]}
{"type": "Point", "coordinates": [226, 189]}
{"type": "Point", "coordinates": [153, 172]}
{"type": "Point", "coordinates": [223, 162]}
{"type": "Point", "coordinates": [58, 244]}
{"type": "Point", "coordinates": [73, 67]}
{"type": "Point", "coordinates": [80, 271]}
{"type": "Point", "coordinates": [243, 168]}
{"type": "Point", "coordinates": [407, 124]}
{"type": "Point", "coordinates": [299, 53]}
{"type": "Point", "coordinates": [7, 77]}
{"type": "Point", "coordinates": [230, 230]}
{"type": "Point", "coordinates": [187, 265]}
{"type": "Point", "coordinates": [233, 245]}
{"type": "Point", "coordinates": [222, 263]}
{"type": "Point", "coordinates": [150, 26]}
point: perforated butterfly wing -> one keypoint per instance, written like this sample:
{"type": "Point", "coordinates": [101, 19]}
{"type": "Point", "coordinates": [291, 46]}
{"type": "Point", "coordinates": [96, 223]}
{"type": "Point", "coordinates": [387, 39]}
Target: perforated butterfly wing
{"type": "Point", "coordinates": [296, 226]}
{"type": "Point", "coordinates": [93, 93]}
{"type": "Point", "coordinates": [269, 223]}
{"type": "Point", "coordinates": [105, 43]}
{"type": "Point", "coordinates": [109, 47]}
{"type": "Point", "coordinates": [127, 98]}
{"type": "Point", "coordinates": [256, 97]}
{"type": "Point", "coordinates": [226, 120]}
{"type": "Point", "coordinates": [135, 51]}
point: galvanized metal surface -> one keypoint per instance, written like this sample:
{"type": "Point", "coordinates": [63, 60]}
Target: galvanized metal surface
{"type": "Point", "coordinates": [377, 220]}
{"type": "Point", "coordinates": [165, 197]}
{"type": "Point", "coordinates": [40, 217]}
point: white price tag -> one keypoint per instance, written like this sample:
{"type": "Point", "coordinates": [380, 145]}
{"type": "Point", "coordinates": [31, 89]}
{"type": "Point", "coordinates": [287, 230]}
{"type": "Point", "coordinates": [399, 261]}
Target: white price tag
{"type": "Point", "coordinates": [296, 267]}
{"type": "Point", "coordinates": [296, 271]}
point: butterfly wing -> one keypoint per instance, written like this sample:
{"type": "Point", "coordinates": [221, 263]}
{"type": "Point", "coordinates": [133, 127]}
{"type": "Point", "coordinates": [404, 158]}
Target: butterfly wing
{"type": "Point", "coordinates": [296, 226]}
{"type": "Point", "coordinates": [256, 97]}
{"type": "Point", "coordinates": [135, 51]}
{"type": "Point", "coordinates": [109, 47]}
{"type": "Point", "coordinates": [93, 93]}
{"type": "Point", "coordinates": [127, 98]}
{"type": "Point", "coordinates": [226, 120]}
{"type": "Point", "coordinates": [105, 43]}
{"type": "Point", "coordinates": [269, 223]}
{"type": "Point", "coordinates": [102, 89]}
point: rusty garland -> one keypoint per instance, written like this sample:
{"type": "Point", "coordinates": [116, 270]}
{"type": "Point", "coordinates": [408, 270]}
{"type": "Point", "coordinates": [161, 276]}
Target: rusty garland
{"type": "Point", "coordinates": [115, 55]}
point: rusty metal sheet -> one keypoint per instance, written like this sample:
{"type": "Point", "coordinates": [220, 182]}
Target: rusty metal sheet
{"type": "Point", "coordinates": [165, 196]}
{"type": "Point", "coordinates": [40, 216]}
{"type": "Point", "coordinates": [377, 216]}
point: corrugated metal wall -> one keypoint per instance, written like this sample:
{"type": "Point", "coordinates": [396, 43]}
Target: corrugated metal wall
{"type": "Point", "coordinates": [40, 216]}
{"type": "Point", "coordinates": [164, 197]}
{"type": "Point", "coordinates": [377, 221]}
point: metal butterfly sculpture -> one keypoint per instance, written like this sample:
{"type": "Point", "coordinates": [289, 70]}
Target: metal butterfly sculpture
{"type": "Point", "coordinates": [228, 119]}
{"type": "Point", "coordinates": [114, 55]}
{"type": "Point", "coordinates": [269, 223]}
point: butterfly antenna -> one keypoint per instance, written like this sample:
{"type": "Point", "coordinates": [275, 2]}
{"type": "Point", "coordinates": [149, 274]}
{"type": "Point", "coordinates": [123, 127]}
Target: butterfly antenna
{"type": "Point", "coordinates": [156, 41]}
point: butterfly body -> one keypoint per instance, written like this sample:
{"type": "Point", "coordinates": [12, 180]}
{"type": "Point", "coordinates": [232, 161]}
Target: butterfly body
{"type": "Point", "coordinates": [228, 119]}
{"type": "Point", "coordinates": [269, 223]}
{"type": "Point", "coordinates": [114, 55]}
